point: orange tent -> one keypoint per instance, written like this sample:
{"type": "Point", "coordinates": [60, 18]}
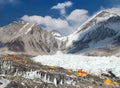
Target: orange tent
{"type": "Point", "coordinates": [108, 81]}
{"type": "Point", "coordinates": [51, 67]}
{"type": "Point", "coordinates": [81, 73]}
{"type": "Point", "coordinates": [70, 70]}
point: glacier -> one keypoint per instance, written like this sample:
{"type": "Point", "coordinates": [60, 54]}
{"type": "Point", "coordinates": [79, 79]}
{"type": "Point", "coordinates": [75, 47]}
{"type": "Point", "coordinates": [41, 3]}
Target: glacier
{"type": "Point", "coordinates": [91, 64]}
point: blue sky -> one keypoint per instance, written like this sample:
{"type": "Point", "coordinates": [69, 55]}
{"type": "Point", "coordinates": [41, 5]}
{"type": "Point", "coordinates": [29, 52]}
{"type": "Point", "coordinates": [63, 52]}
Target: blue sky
{"type": "Point", "coordinates": [55, 10]}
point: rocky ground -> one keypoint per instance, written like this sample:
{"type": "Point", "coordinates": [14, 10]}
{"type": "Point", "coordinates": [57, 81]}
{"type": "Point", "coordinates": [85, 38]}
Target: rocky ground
{"type": "Point", "coordinates": [17, 72]}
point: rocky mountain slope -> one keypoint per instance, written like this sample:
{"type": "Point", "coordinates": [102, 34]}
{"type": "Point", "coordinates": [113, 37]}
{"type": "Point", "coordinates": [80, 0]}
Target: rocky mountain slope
{"type": "Point", "coordinates": [26, 38]}
{"type": "Point", "coordinates": [99, 36]}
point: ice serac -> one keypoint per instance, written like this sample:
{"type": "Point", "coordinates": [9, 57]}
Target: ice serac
{"type": "Point", "coordinates": [26, 38]}
{"type": "Point", "coordinates": [98, 36]}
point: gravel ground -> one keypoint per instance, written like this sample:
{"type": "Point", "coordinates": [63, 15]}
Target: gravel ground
{"type": "Point", "coordinates": [29, 74]}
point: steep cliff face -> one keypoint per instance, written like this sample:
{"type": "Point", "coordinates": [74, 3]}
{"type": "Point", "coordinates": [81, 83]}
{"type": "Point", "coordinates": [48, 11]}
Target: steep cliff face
{"type": "Point", "coordinates": [101, 31]}
{"type": "Point", "coordinates": [27, 38]}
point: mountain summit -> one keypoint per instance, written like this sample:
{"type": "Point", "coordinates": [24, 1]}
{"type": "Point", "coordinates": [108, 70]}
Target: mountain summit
{"type": "Point", "coordinates": [98, 36]}
{"type": "Point", "coordinates": [26, 38]}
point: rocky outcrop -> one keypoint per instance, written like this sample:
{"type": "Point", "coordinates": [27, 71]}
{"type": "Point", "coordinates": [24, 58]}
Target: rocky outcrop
{"type": "Point", "coordinates": [16, 46]}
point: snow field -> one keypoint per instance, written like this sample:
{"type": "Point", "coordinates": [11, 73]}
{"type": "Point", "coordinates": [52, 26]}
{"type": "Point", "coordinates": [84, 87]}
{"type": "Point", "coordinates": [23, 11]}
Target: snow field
{"type": "Point", "coordinates": [90, 64]}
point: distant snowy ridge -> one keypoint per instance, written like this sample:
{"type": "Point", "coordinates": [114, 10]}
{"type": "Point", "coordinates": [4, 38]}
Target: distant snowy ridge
{"type": "Point", "coordinates": [93, 65]}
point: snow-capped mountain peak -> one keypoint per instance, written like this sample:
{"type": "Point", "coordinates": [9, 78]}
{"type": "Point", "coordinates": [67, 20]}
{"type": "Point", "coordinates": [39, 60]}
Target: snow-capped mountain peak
{"type": "Point", "coordinates": [98, 17]}
{"type": "Point", "coordinates": [99, 31]}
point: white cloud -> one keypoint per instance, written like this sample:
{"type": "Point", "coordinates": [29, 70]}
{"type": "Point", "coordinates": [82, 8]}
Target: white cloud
{"type": "Point", "coordinates": [114, 10]}
{"type": "Point", "coordinates": [64, 26]}
{"type": "Point", "coordinates": [49, 23]}
{"type": "Point", "coordinates": [62, 6]}
{"type": "Point", "coordinates": [77, 17]}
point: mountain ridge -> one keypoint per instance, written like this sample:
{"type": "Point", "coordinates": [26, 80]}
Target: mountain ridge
{"type": "Point", "coordinates": [99, 34]}
{"type": "Point", "coordinates": [101, 30]}
{"type": "Point", "coordinates": [27, 38]}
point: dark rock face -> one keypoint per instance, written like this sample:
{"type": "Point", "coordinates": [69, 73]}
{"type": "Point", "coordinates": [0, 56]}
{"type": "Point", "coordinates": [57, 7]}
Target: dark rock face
{"type": "Point", "coordinates": [2, 44]}
{"type": "Point", "coordinates": [16, 46]}
{"type": "Point", "coordinates": [94, 36]}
